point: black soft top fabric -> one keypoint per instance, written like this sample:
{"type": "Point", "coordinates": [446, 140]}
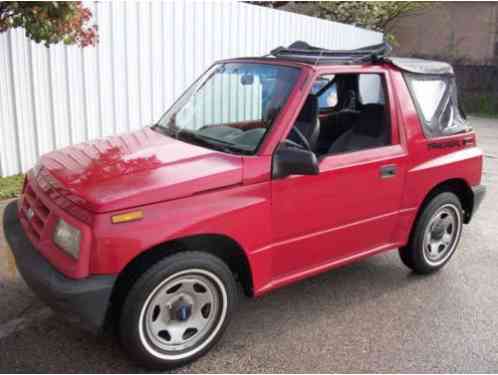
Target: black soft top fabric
{"type": "Point", "coordinates": [420, 66]}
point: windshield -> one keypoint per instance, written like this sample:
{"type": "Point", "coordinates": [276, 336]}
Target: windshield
{"type": "Point", "coordinates": [231, 107]}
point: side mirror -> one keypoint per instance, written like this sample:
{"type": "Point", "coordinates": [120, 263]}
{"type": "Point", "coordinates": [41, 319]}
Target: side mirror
{"type": "Point", "coordinates": [289, 159]}
{"type": "Point", "coordinates": [247, 79]}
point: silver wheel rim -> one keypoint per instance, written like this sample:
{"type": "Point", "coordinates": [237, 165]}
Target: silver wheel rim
{"type": "Point", "coordinates": [442, 234]}
{"type": "Point", "coordinates": [183, 314]}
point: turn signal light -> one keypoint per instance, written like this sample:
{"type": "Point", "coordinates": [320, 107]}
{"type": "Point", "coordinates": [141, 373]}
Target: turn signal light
{"type": "Point", "coordinates": [128, 216]}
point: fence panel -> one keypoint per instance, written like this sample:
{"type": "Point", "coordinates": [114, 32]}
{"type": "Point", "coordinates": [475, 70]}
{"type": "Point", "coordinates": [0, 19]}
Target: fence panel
{"type": "Point", "coordinates": [148, 53]}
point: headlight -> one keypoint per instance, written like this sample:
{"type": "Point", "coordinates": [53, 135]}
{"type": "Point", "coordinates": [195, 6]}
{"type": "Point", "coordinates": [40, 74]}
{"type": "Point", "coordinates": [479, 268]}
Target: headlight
{"type": "Point", "coordinates": [67, 238]}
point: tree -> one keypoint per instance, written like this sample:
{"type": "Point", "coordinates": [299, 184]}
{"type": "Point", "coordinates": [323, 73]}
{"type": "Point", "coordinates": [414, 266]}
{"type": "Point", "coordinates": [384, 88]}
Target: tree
{"type": "Point", "coordinates": [50, 22]}
{"type": "Point", "coordinates": [373, 15]}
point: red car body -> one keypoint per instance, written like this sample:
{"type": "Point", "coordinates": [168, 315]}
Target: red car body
{"type": "Point", "coordinates": [280, 228]}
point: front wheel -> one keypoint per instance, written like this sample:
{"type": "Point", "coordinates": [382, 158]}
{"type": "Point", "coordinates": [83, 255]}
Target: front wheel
{"type": "Point", "coordinates": [177, 310]}
{"type": "Point", "coordinates": [435, 236]}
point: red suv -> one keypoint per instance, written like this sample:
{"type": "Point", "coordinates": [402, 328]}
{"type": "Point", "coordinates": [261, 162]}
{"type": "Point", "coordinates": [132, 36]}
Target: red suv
{"type": "Point", "coordinates": [265, 171]}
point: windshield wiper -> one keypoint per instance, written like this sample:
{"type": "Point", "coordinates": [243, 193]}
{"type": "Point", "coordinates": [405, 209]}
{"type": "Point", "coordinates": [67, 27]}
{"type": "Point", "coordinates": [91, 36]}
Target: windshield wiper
{"type": "Point", "coordinates": [215, 143]}
{"type": "Point", "coordinates": [202, 140]}
{"type": "Point", "coordinates": [165, 130]}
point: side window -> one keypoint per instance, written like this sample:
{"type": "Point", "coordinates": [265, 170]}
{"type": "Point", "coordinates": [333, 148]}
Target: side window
{"type": "Point", "coordinates": [435, 98]}
{"type": "Point", "coordinates": [370, 88]}
{"type": "Point", "coordinates": [350, 127]}
{"type": "Point", "coordinates": [319, 84]}
{"type": "Point", "coordinates": [428, 93]}
{"type": "Point", "coordinates": [328, 99]}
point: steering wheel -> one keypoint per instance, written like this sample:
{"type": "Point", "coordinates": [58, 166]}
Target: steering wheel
{"type": "Point", "coordinates": [303, 141]}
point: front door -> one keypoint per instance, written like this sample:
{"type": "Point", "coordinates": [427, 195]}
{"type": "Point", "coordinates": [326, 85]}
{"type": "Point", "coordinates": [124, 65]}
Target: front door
{"type": "Point", "coordinates": [351, 207]}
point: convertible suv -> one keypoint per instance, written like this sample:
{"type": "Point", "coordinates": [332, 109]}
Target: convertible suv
{"type": "Point", "coordinates": [264, 172]}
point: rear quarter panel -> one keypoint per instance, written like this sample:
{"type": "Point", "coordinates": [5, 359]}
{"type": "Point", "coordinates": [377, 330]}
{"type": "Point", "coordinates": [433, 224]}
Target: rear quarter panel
{"type": "Point", "coordinates": [431, 161]}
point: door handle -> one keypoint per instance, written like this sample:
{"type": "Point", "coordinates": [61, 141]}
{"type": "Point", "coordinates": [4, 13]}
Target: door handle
{"type": "Point", "coordinates": [389, 170]}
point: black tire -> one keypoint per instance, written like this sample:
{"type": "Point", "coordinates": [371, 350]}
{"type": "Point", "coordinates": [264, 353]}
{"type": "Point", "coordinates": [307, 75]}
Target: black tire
{"type": "Point", "coordinates": [417, 255]}
{"type": "Point", "coordinates": [134, 333]}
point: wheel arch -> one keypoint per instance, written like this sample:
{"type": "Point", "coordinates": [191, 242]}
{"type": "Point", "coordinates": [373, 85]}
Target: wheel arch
{"type": "Point", "coordinates": [221, 246]}
{"type": "Point", "coordinates": [460, 188]}
{"type": "Point", "coordinates": [457, 186]}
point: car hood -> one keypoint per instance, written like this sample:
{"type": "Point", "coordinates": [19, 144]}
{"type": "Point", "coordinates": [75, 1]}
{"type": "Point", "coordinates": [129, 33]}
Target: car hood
{"type": "Point", "coordinates": [137, 168]}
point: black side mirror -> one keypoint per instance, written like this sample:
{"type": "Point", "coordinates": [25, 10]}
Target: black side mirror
{"type": "Point", "coordinates": [289, 159]}
{"type": "Point", "coordinates": [247, 79]}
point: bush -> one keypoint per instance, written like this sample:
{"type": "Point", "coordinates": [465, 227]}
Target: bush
{"type": "Point", "coordinates": [485, 104]}
{"type": "Point", "coordinates": [10, 187]}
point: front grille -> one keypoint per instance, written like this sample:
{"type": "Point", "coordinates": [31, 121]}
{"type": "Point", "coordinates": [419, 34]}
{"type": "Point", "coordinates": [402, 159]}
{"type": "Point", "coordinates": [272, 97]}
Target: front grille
{"type": "Point", "coordinates": [39, 214]}
{"type": "Point", "coordinates": [35, 212]}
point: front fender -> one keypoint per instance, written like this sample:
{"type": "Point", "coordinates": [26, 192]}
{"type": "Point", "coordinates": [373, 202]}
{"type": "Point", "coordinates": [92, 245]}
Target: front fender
{"type": "Point", "coordinates": [241, 213]}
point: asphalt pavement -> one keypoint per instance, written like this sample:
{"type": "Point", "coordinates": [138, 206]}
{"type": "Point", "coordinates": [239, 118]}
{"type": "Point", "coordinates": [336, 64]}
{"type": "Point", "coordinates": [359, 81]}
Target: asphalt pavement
{"type": "Point", "coordinates": [373, 316]}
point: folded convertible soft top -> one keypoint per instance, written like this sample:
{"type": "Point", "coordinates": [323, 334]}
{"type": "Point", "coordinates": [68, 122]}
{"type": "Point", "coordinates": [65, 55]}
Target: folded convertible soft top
{"type": "Point", "coordinates": [303, 52]}
{"type": "Point", "coordinates": [420, 66]}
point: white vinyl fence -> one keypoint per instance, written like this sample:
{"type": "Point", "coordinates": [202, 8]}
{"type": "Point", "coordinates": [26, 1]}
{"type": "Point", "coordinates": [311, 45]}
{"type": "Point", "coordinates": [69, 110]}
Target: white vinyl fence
{"type": "Point", "coordinates": [148, 53]}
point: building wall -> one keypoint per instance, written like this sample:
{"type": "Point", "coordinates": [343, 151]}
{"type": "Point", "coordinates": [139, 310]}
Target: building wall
{"type": "Point", "coordinates": [148, 53]}
{"type": "Point", "coordinates": [454, 31]}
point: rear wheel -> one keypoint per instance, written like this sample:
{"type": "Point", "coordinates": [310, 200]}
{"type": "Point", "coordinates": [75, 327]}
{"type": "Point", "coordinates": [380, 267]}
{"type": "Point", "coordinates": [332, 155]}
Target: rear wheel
{"type": "Point", "coordinates": [177, 310]}
{"type": "Point", "coordinates": [436, 235]}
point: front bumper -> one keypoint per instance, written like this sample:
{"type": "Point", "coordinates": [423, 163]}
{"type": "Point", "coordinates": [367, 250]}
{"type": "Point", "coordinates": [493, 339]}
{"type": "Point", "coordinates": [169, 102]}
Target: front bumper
{"type": "Point", "coordinates": [82, 301]}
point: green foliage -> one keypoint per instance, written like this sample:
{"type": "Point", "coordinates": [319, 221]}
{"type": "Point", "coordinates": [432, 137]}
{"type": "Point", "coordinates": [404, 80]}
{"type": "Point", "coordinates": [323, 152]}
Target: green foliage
{"type": "Point", "coordinates": [482, 104]}
{"type": "Point", "coordinates": [10, 187]}
{"type": "Point", "coordinates": [373, 15]}
{"type": "Point", "coordinates": [50, 22]}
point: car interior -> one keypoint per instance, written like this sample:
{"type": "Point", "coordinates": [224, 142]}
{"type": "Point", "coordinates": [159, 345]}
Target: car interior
{"type": "Point", "coordinates": [344, 113]}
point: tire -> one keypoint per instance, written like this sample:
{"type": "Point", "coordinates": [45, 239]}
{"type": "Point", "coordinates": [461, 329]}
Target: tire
{"type": "Point", "coordinates": [435, 236]}
{"type": "Point", "coordinates": [177, 310]}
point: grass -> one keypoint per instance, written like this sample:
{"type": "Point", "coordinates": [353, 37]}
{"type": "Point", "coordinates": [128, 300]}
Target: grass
{"type": "Point", "coordinates": [484, 104]}
{"type": "Point", "coordinates": [10, 187]}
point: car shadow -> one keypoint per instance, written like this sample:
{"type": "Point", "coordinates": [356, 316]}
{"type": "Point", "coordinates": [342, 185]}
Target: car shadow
{"type": "Point", "coordinates": [334, 291]}
{"type": "Point", "coordinates": [55, 346]}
